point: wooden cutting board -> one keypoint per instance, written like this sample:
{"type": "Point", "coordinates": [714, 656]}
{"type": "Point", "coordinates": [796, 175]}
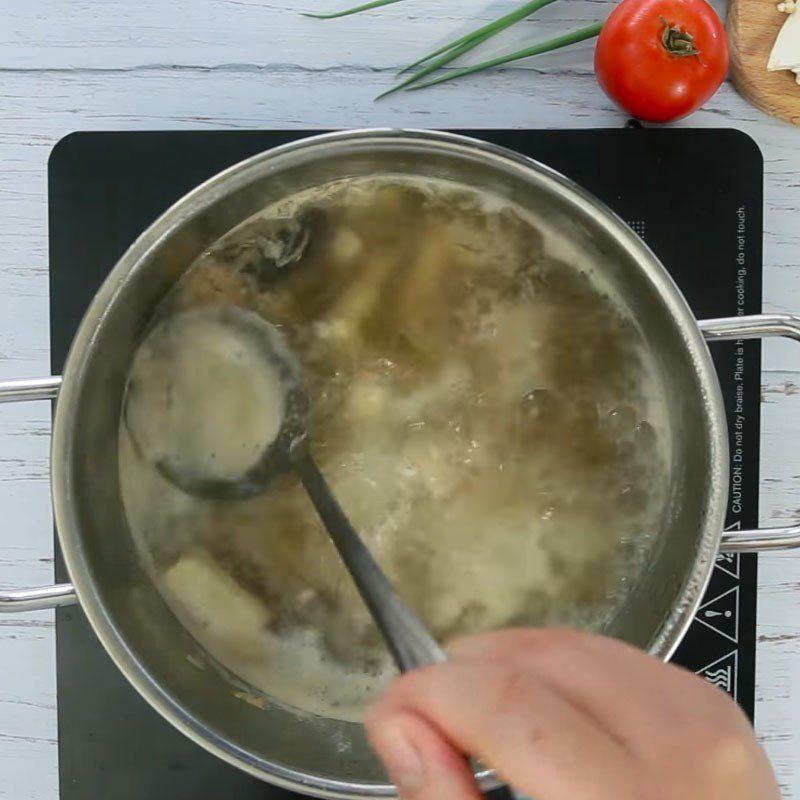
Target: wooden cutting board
{"type": "Point", "coordinates": [752, 27]}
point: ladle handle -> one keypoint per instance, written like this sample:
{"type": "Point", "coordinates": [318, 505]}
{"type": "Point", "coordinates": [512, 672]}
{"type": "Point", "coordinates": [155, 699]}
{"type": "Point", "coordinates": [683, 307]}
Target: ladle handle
{"type": "Point", "coordinates": [406, 637]}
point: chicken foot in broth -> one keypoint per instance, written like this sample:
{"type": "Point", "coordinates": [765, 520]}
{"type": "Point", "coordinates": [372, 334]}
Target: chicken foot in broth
{"type": "Point", "coordinates": [482, 407]}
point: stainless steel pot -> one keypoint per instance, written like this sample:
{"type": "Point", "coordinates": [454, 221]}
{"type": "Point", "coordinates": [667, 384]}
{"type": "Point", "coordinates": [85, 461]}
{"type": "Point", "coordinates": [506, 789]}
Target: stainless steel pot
{"type": "Point", "coordinates": [329, 758]}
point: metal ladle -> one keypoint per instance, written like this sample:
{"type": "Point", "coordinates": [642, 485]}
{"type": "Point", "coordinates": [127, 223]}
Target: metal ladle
{"type": "Point", "coordinates": [408, 640]}
{"type": "Point", "coordinates": [406, 637]}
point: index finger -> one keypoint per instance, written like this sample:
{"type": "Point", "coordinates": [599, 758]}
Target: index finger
{"type": "Point", "coordinates": [514, 722]}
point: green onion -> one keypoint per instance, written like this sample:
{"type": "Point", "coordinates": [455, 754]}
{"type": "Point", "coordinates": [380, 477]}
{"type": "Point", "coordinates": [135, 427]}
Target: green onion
{"type": "Point", "coordinates": [449, 52]}
{"type": "Point", "coordinates": [463, 45]}
{"type": "Point", "coordinates": [486, 31]}
{"type": "Point", "coordinates": [348, 11]}
{"type": "Point", "coordinates": [544, 47]}
{"type": "Point", "coordinates": [428, 68]}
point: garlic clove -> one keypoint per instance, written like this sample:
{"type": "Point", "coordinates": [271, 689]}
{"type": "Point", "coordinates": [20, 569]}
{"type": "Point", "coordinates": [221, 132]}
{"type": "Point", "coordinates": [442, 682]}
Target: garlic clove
{"type": "Point", "coordinates": [786, 50]}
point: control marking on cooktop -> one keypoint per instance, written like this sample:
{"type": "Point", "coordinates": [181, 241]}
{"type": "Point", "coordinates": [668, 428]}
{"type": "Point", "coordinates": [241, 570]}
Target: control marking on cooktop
{"type": "Point", "coordinates": [723, 672]}
{"type": "Point", "coordinates": [729, 563]}
{"type": "Point", "coordinates": [721, 614]}
{"type": "Point", "coordinates": [638, 227]}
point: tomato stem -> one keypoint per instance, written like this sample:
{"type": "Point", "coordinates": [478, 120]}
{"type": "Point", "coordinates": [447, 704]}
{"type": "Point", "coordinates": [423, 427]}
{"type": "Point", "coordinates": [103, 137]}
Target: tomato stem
{"type": "Point", "coordinates": [677, 42]}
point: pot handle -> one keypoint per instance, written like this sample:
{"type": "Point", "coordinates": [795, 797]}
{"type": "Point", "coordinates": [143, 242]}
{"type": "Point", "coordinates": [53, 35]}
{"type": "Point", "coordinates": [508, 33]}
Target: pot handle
{"type": "Point", "coordinates": [756, 326]}
{"type": "Point", "coordinates": [62, 594]}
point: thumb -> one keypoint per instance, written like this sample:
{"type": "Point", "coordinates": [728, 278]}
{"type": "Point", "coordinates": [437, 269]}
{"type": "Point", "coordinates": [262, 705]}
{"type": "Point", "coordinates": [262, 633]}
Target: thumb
{"type": "Point", "coordinates": [420, 762]}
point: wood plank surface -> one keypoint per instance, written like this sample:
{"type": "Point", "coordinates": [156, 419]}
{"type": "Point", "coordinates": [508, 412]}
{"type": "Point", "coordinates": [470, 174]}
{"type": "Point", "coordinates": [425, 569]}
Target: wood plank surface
{"type": "Point", "coordinates": [227, 64]}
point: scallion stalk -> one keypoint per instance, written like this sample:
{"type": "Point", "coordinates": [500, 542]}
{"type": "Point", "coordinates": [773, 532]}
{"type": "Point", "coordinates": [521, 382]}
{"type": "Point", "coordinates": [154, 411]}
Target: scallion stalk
{"type": "Point", "coordinates": [444, 55]}
{"type": "Point", "coordinates": [485, 31]}
{"type": "Point", "coordinates": [447, 53]}
{"type": "Point", "coordinates": [543, 47]}
{"type": "Point", "coordinates": [348, 11]}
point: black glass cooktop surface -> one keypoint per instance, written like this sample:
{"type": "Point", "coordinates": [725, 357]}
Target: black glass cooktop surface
{"type": "Point", "coordinates": [695, 196]}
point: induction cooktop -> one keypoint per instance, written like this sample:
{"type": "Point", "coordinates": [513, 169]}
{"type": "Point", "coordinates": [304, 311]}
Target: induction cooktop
{"type": "Point", "coordinates": [675, 187]}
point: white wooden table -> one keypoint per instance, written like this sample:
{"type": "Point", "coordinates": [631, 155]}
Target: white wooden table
{"type": "Point", "coordinates": [109, 64]}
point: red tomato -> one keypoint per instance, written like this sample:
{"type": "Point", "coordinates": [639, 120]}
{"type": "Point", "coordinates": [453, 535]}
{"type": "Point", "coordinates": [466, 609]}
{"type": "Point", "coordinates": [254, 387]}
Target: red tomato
{"type": "Point", "coordinates": [661, 59]}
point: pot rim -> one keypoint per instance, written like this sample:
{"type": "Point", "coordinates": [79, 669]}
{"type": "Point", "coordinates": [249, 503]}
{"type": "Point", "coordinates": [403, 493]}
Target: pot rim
{"type": "Point", "coordinates": [239, 175]}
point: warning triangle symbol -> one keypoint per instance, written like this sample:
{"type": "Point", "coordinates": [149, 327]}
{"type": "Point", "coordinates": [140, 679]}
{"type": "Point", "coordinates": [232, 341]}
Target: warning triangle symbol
{"type": "Point", "coordinates": [723, 673]}
{"type": "Point", "coordinates": [721, 614]}
{"type": "Point", "coordinates": [728, 562]}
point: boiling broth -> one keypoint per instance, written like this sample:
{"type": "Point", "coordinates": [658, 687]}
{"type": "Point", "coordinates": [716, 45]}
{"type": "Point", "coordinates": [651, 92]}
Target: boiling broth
{"type": "Point", "coordinates": [482, 406]}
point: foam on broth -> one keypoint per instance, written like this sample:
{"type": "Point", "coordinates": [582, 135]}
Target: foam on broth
{"type": "Point", "coordinates": [483, 408]}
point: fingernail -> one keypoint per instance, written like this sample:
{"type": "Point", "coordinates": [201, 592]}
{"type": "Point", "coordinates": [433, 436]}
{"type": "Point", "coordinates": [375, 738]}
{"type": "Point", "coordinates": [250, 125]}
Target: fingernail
{"type": "Point", "coordinates": [400, 757]}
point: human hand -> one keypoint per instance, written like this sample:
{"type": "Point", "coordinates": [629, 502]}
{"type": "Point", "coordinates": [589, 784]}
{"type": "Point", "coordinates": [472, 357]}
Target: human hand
{"type": "Point", "coordinates": [565, 715]}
